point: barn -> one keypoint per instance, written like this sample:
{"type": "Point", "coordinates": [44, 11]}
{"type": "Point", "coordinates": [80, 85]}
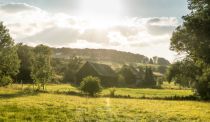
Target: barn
{"type": "Point", "coordinates": [106, 74]}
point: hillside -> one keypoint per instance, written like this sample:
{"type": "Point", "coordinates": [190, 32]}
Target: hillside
{"type": "Point", "coordinates": [105, 55]}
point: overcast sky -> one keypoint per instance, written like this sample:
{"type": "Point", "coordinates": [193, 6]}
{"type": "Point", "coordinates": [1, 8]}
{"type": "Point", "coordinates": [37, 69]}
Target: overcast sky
{"type": "Point", "coordinates": [138, 26]}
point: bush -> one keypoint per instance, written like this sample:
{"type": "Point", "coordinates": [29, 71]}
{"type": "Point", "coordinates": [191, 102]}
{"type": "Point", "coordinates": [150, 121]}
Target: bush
{"type": "Point", "coordinates": [112, 92]}
{"type": "Point", "coordinates": [91, 85]}
{"type": "Point", "coordinates": [5, 80]}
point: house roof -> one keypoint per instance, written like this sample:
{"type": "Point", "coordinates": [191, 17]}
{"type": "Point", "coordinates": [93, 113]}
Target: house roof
{"type": "Point", "coordinates": [134, 71]}
{"type": "Point", "coordinates": [102, 69]}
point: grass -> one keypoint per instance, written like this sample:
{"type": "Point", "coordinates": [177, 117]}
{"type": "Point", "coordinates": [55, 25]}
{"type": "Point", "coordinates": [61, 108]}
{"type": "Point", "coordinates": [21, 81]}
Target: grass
{"type": "Point", "coordinates": [133, 93]}
{"type": "Point", "coordinates": [17, 105]}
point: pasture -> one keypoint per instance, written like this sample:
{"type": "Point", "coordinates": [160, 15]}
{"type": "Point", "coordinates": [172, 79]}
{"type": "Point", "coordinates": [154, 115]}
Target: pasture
{"type": "Point", "coordinates": [19, 105]}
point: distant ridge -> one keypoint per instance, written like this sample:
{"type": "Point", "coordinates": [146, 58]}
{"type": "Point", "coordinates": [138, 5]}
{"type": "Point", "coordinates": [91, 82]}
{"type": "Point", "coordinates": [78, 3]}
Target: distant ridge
{"type": "Point", "coordinates": [107, 55]}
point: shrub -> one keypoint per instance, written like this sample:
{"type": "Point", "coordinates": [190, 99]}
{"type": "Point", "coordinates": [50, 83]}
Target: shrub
{"type": "Point", "coordinates": [112, 92]}
{"type": "Point", "coordinates": [5, 80]}
{"type": "Point", "coordinates": [91, 85]}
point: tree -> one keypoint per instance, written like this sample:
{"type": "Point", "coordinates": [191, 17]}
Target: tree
{"type": "Point", "coordinates": [41, 66]}
{"type": "Point", "coordinates": [91, 85]}
{"type": "Point", "coordinates": [25, 55]}
{"type": "Point", "coordinates": [5, 80]}
{"type": "Point", "coordinates": [193, 39]}
{"type": "Point", "coordinates": [9, 62]}
{"type": "Point", "coordinates": [193, 36]}
{"type": "Point", "coordinates": [183, 72]}
{"type": "Point", "coordinates": [72, 68]}
{"type": "Point", "coordinates": [151, 61]}
{"type": "Point", "coordinates": [149, 80]}
{"type": "Point", "coordinates": [162, 69]}
{"type": "Point", "coordinates": [128, 75]}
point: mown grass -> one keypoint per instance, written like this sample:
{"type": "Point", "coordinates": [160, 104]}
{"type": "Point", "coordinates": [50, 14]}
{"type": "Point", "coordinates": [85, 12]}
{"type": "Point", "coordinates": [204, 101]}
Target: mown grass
{"type": "Point", "coordinates": [17, 105]}
{"type": "Point", "coordinates": [131, 92]}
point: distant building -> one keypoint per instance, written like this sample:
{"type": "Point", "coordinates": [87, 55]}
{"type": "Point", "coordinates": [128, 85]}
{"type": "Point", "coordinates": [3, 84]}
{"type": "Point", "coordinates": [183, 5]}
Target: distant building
{"type": "Point", "coordinates": [107, 76]}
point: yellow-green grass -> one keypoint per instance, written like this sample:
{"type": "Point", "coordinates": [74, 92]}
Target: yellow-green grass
{"type": "Point", "coordinates": [131, 92]}
{"type": "Point", "coordinates": [149, 93]}
{"type": "Point", "coordinates": [18, 106]}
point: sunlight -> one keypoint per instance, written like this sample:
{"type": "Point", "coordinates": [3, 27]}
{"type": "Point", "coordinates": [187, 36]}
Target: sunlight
{"type": "Point", "coordinates": [97, 13]}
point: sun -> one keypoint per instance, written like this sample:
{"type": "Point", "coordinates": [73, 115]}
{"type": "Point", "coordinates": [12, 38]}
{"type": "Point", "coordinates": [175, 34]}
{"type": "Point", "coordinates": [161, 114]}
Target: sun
{"type": "Point", "coordinates": [101, 13]}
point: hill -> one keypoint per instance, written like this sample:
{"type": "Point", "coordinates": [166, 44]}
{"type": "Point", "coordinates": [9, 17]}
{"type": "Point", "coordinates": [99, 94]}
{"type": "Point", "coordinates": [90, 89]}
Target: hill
{"type": "Point", "coordinates": [105, 55]}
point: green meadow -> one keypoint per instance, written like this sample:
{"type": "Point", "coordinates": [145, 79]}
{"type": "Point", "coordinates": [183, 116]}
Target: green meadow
{"type": "Point", "coordinates": [55, 105]}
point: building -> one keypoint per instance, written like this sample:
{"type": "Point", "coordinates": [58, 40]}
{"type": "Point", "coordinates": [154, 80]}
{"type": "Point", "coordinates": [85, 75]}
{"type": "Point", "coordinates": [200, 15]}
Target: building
{"type": "Point", "coordinates": [106, 74]}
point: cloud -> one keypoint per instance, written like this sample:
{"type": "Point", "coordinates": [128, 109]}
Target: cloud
{"type": "Point", "coordinates": [160, 26]}
{"type": "Point", "coordinates": [55, 36]}
{"type": "Point", "coordinates": [95, 35]}
{"type": "Point", "coordinates": [13, 8]}
{"type": "Point", "coordinates": [32, 25]}
{"type": "Point", "coordinates": [160, 30]}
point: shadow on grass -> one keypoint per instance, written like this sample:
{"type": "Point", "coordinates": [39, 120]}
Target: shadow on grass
{"type": "Point", "coordinates": [17, 94]}
{"type": "Point", "coordinates": [179, 98]}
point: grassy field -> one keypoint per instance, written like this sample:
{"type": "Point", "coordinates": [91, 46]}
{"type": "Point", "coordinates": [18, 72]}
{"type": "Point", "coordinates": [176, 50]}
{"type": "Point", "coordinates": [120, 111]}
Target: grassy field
{"type": "Point", "coordinates": [134, 93]}
{"type": "Point", "coordinates": [16, 105]}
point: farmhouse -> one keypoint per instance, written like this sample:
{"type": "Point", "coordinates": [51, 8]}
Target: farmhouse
{"type": "Point", "coordinates": [102, 71]}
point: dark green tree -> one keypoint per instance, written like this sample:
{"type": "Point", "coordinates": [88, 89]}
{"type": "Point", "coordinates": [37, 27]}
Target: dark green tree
{"type": "Point", "coordinates": [162, 69]}
{"type": "Point", "coordinates": [193, 39]}
{"type": "Point", "coordinates": [25, 55]}
{"type": "Point", "coordinates": [9, 62]}
{"type": "Point", "coordinates": [151, 61]}
{"type": "Point", "coordinates": [73, 66]}
{"type": "Point", "coordinates": [149, 80]}
{"type": "Point", "coordinates": [183, 72]}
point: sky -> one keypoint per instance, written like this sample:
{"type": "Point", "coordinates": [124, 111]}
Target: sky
{"type": "Point", "coordinates": [137, 26]}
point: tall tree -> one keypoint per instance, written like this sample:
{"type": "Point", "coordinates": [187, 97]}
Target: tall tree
{"type": "Point", "coordinates": [193, 39]}
{"type": "Point", "coordinates": [25, 55]}
{"type": "Point", "coordinates": [72, 68]}
{"type": "Point", "coordinates": [149, 80]}
{"type": "Point", "coordinates": [151, 61]}
{"type": "Point", "coordinates": [41, 66]}
{"type": "Point", "coordinates": [9, 62]}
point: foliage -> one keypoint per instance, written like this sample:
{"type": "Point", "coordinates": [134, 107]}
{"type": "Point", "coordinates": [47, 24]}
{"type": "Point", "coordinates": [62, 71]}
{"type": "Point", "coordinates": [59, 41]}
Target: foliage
{"type": "Point", "coordinates": [91, 85]}
{"type": "Point", "coordinates": [162, 69]}
{"type": "Point", "coordinates": [112, 92]}
{"type": "Point", "coordinates": [203, 83]}
{"type": "Point", "coordinates": [72, 68]}
{"type": "Point", "coordinates": [129, 74]}
{"type": "Point", "coordinates": [59, 65]}
{"type": "Point", "coordinates": [9, 62]}
{"type": "Point", "coordinates": [25, 55]}
{"type": "Point", "coordinates": [151, 61]}
{"type": "Point", "coordinates": [193, 39]}
{"type": "Point", "coordinates": [149, 80]}
{"type": "Point", "coordinates": [5, 80]}
{"type": "Point", "coordinates": [41, 66]}
{"type": "Point", "coordinates": [183, 72]}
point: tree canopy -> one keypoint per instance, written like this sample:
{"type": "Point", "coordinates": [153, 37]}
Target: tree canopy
{"type": "Point", "coordinates": [41, 66]}
{"type": "Point", "coordinates": [9, 62]}
{"type": "Point", "coordinates": [193, 39]}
